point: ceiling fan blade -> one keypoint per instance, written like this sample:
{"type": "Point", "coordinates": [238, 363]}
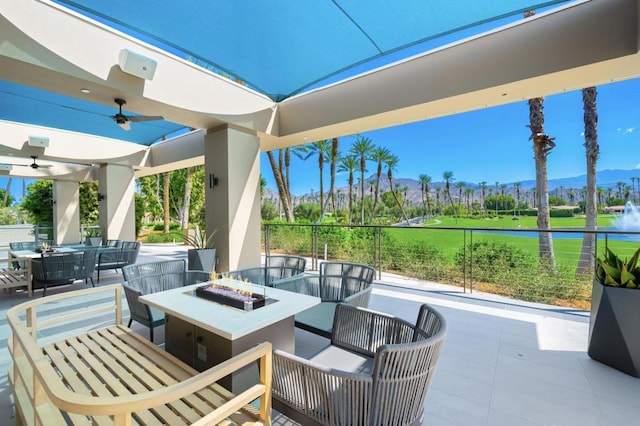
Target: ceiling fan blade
{"type": "Point", "coordinates": [138, 118]}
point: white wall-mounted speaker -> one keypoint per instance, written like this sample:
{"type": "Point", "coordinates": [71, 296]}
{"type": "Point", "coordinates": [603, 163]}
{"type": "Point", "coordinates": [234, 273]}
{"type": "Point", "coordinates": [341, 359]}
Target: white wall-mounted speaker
{"type": "Point", "coordinates": [136, 64]}
{"type": "Point", "coordinates": [38, 141]}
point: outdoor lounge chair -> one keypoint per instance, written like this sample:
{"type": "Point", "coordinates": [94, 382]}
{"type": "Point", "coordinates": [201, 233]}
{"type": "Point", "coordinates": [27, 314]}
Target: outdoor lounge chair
{"type": "Point", "coordinates": [146, 278]}
{"type": "Point", "coordinates": [337, 282]}
{"type": "Point", "coordinates": [376, 371]}
{"type": "Point", "coordinates": [117, 257]}
{"type": "Point", "coordinates": [276, 267]}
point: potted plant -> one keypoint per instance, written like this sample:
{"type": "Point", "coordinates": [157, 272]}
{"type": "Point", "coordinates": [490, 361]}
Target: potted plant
{"type": "Point", "coordinates": [615, 313]}
{"type": "Point", "coordinates": [93, 236]}
{"type": "Point", "coordinates": [202, 257]}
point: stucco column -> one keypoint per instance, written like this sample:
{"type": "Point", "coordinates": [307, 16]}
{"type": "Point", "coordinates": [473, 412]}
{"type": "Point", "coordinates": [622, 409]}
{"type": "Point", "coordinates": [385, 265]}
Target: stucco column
{"type": "Point", "coordinates": [66, 212]}
{"type": "Point", "coordinates": [233, 203]}
{"type": "Point", "coordinates": [116, 184]}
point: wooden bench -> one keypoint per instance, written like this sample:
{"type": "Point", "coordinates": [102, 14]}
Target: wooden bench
{"type": "Point", "coordinates": [14, 278]}
{"type": "Point", "coordinates": [109, 375]}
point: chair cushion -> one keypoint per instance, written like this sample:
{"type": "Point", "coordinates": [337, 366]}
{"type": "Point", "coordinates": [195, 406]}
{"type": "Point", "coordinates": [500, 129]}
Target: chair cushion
{"type": "Point", "coordinates": [318, 317]}
{"type": "Point", "coordinates": [343, 360]}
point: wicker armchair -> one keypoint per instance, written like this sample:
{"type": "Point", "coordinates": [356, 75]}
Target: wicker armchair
{"type": "Point", "coordinates": [117, 257]}
{"type": "Point", "coordinates": [52, 269]}
{"type": "Point", "coordinates": [337, 282]}
{"type": "Point", "coordinates": [276, 267]}
{"type": "Point", "coordinates": [377, 371]}
{"type": "Point", "coordinates": [146, 278]}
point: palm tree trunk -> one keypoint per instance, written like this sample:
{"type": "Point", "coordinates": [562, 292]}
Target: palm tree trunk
{"type": "Point", "coordinates": [395, 197]}
{"type": "Point", "coordinates": [6, 192]}
{"type": "Point", "coordinates": [285, 199]}
{"type": "Point", "coordinates": [334, 160]}
{"type": "Point", "coordinates": [586, 264]}
{"type": "Point", "coordinates": [166, 201]}
{"type": "Point", "coordinates": [187, 199]}
{"type": "Point", "coordinates": [542, 145]}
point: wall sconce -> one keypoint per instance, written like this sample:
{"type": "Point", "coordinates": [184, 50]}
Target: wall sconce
{"type": "Point", "coordinates": [213, 181]}
{"type": "Point", "coordinates": [100, 197]}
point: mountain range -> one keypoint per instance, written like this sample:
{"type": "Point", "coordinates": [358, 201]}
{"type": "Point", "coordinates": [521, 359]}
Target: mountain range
{"type": "Point", "coordinates": [605, 179]}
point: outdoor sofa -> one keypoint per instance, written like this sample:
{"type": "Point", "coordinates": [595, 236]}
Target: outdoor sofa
{"type": "Point", "coordinates": [60, 268]}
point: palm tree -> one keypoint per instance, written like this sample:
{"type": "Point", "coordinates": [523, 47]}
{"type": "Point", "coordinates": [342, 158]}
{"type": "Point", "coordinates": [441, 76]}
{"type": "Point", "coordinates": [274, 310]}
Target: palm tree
{"type": "Point", "coordinates": [438, 204]}
{"type": "Point", "coordinates": [391, 163]}
{"type": "Point", "coordinates": [362, 147]}
{"type": "Point", "coordinates": [333, 157]}
{"type": "Point", "coordinates": [571, 193]}
{"type": "Point", "coordinates": [448, 178]}
{"type": "Point", "coordinates": [600, 194]}
{"type": "Point", "coordinates": [468, 192]}
{"type": "Point", "coordinates": [425, 182]}
{"type": "Point", "coordinates": [460, 186]}
{"type": "Point", "coordinates": [349, 164]}
{"type": "Point", "coordinates": [379, 155]}
{"type": "Point", "coordinates": [542, 145]}
{"type": "Point", "coordinates": [7, 191]}
{"type": "Point", "coordinates": [483, 193]}
{"type": "Point", "coordinates": [517, 186]}
{"type": "Point", "coordinates": [323, 150]}
{"type": "Point", "coordinates": [587, 254]}
{"type": "Point", "coordinates": [497, 192]}
{"type": "Point", "coordinates": [620, 186]}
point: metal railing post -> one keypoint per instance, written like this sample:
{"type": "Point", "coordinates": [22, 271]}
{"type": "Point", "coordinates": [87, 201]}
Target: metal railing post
{"type": "Point", "coordinates": [471, 261]}
{"type": "Point", "coordinates": [314, 247]}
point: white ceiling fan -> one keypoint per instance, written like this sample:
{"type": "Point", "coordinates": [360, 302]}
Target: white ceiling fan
{"type": "Point", "coordinates": [125, 121]}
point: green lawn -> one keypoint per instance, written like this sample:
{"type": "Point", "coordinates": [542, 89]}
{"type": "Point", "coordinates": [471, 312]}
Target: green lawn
{"type": "Point", "coordinates": [449, 242]}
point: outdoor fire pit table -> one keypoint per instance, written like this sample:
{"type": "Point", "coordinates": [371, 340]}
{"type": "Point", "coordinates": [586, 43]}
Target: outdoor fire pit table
{"type": "Point", "coordinates": [203, 332]}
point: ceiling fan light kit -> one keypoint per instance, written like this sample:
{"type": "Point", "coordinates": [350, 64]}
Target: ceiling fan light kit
{"type": "Point", "coordinates": [125, 121]}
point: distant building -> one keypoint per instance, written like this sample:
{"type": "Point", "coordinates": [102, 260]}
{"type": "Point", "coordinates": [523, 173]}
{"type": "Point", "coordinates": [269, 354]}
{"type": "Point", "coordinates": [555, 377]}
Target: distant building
{"type": "Point", "coordinates": [614, 209]}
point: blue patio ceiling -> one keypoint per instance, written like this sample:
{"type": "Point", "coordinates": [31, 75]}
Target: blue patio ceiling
{"type": "Point", "coordinates": [41, 108]}
{"type": "Point", "coordinates": [280, 47]}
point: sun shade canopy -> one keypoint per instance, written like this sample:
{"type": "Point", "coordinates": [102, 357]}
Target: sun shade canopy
{"type": "Point", "coordinates": [281, 48]}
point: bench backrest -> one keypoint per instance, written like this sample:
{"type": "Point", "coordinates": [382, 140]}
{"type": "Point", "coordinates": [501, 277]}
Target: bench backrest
{"type": "Point", "coordinates": [276, 267]}
{"type": "Point", "coordinates": [53, 267]}
{"type": "Point", "coordinates": [28, 245]}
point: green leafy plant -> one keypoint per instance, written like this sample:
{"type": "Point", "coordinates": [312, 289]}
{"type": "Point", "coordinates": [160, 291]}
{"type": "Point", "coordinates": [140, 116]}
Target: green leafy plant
{"type": "Point", "coordinates": [199, 240]}
{"type": "Point", "coordinates": [615, 272]}
{"type": "Point", "coordinates": [93, 232]}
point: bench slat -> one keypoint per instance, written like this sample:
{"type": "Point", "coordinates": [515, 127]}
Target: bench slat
{"type": "Point", "coordinates": [204, 400]}
{"type": "Point", "coordinates": [108, 360]}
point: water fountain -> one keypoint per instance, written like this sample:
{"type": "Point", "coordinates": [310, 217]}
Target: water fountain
{"type": "Point", "coordinates": [630, 219]}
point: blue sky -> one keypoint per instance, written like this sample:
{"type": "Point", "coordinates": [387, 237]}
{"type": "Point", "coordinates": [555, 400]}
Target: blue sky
{"type": "Point", "coordinates": [492, 144]}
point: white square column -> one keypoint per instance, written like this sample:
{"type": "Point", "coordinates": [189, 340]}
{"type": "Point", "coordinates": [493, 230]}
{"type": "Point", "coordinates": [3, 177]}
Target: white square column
{"type": "Point", "coordinates": [66, 212]}
{"type": "Point", "coordinates": [116, 187]}
{"type": "Point", "coordinates": [232, 196]}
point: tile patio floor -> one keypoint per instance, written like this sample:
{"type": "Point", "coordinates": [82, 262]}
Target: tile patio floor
{"type": "Point", "coordinates": [504, 362]}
